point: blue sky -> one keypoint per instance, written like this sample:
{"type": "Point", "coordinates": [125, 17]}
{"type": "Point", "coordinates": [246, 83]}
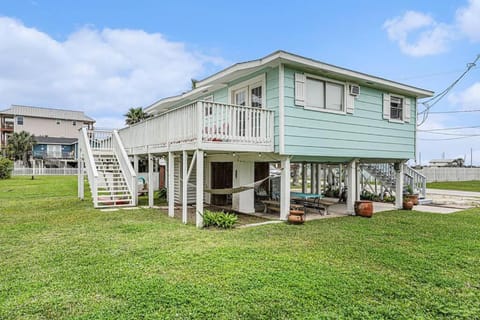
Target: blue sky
{"type": "Point", "coordinates": [106, 56]}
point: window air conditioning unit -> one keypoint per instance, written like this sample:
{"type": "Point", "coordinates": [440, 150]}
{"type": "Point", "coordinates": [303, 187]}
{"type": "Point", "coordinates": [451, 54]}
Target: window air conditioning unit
{"type": "Point", "coordinates": [354, 90]}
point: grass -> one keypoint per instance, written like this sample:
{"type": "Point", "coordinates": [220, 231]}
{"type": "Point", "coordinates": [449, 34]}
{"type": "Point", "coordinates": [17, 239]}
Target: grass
{"type": "Point", "coordinates": [62, 259]}
{"type": "Point", "coordinates": [456, 185]}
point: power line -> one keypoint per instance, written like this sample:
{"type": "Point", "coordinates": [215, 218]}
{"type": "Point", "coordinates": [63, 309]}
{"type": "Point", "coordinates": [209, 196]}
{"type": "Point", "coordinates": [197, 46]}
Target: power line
{"type": "Point", "coordinates": [435, 99]}
{"type": "Point", "coordinates": [443, 139]}
{"type": "Point", "coordinates": [454, 111]}
{"type": "Point", "coordinates": [453, 128]}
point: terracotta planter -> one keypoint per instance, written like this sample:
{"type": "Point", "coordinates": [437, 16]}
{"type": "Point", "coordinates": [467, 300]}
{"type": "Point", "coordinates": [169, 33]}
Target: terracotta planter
{"type": "Point", "coordinates": [364, 208]}
{"type": "Point", "coordinates": [296, 219]}
{"type": "Point", "coordinates": [297, 212]}
{"type": "Point", "coordinates": [413, 198]}
{"type": "Point", "coordinates": [407, 204]}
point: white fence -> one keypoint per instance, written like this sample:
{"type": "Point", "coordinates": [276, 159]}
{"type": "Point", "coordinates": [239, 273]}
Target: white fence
{"type": "Point", "coordinates": [45, 172]}
{"type": "Point", "coordinates": [435, 174]}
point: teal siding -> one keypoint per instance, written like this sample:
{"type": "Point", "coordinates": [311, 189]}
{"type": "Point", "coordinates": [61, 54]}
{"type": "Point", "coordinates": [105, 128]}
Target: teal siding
{"type": "Point", "coordinates": [363, 134]}
{"type": "Point", "coordinates": [271, 92]}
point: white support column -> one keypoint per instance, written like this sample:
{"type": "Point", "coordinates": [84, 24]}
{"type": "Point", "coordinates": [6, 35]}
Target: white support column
{"type": "Point", "coordinates": [171, 185]}
{"type": "Point", "coordinates": [81, 180]}
{"type": "Point", "coordinates": [135, 163]}
{"type": "Point", "coordinates": [304, 177]}
{"type": "Point", "coordinates": [399, 185]}
{"type": "Point", "coordinates": [319, 178]}
{"type": "Point", "coordinates": [285, 189]}
{"type": "Point", "coordinates": [184, 185]}
{"type": "Point", "coordinates": [312, 178]}
{"type": "Point", "coordinates": [150, 180]}
{"type": "Point", "coordinates": [199, 206]}
{"type": "Point", "coordinates": [351, 187]}
{"type": "Point", "coordinates": [358, 182]}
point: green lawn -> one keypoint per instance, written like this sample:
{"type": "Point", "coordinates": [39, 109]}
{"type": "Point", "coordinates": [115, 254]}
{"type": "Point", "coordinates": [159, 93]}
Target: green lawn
{"type": "Point", "coordinates": [59, 258]}
{"type": "Point", "coordinates": [456, 185]}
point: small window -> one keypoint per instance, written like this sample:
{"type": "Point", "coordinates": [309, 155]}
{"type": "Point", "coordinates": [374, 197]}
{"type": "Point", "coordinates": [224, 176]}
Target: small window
{"type": "Point", "coordinates": [58, 121]}
{"type": "Point", "coordinates": [396, 108]}
{"type": "Point", "coordinates": [74, 123]}
{"type": "Point", "coordinates": [20, 120]}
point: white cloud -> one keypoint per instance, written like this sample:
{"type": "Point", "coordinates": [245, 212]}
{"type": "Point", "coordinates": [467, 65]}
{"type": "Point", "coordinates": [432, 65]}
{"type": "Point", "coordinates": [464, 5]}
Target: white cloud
{"type": "Point", "coordinates": [429, 36]}
{"type": "Point", "coordinates": [468, 20]}
{"type": "Point", "coordinates": [418, 34]}
{"type": "Point", "coordinates": [468, 98]}
{"type": "Point", "coordinates": [102, 72]}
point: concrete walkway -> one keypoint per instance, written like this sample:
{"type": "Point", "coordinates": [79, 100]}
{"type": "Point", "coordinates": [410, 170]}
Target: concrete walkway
{"type": "Point", "coordinates": [461, 199]}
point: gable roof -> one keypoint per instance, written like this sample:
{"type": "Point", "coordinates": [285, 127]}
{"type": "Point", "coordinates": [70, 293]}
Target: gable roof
{"type": "Point", "coordinates": [50, 113]}
{"type": "Point", "coordinates": [221, 78]}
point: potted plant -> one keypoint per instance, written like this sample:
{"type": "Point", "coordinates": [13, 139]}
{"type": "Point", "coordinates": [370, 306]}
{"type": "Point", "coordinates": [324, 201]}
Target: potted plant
{"type": "Point", "coordinates": [411, 195]}
{"type": "Point", "coordinates": [407, 200]}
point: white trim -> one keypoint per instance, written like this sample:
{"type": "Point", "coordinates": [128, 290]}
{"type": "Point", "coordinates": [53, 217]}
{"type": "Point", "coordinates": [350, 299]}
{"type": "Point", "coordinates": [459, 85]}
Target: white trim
{"type": "Point", "coordinates": [281, 109]}
{"type": "Point", "coordinates": [218, 80]}
{"type": "Point", "coordinates": [248, 84]}
{"type": "Point", "coordinates": [292, 58]}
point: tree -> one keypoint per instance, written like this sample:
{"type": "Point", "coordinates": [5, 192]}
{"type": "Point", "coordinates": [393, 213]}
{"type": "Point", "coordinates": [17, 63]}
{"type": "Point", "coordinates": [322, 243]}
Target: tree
{"type": "Point", "coordinates": [6, 168]}
{"type": "Point", "coordinates": [19, 146]}
{"type": "Point", "coordinates": [135, 115]}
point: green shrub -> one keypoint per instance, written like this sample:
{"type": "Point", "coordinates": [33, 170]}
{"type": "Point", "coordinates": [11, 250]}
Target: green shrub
{"type": "Point", "coordinates": [6, 168]}
{"type": "Point", "coordinates": [219, 219]}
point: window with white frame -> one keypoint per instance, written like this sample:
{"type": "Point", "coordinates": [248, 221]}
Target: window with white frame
{"type": "Point", "coordinates": [318, 93]}
{"type": "Point", "coordinates": [396, 108]}
{"type": "Point", "coordinates": [19, 120]}
{"type": "Point", "coordinates": [323, 94]}
{"type": "Point", "coordinates": [249, 93]}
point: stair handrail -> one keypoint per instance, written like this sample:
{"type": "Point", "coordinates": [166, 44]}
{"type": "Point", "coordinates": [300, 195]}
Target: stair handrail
{"type": "Point", "coordinates": [89, 161]}
{"type": "Point", "coordinates": [125, 165]}
{"type": "Point", "coordinates": [417, 180]}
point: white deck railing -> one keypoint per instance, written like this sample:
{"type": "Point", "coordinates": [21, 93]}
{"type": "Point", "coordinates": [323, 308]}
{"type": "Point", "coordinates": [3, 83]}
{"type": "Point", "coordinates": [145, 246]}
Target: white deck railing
{"type": "Point", "coordinates": [203, 122]}
{"type": "Point", "coordinates": [100, 139]}
{"type": "Point", "coordinates": [125, 165]}
{"type": "Point", "coordinates": [84, 143]}
{"type": "Point", "coordinates": [416, 180]}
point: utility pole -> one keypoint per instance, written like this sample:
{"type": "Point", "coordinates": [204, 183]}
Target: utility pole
{"type": "Point", "coordinates": [471, 157]}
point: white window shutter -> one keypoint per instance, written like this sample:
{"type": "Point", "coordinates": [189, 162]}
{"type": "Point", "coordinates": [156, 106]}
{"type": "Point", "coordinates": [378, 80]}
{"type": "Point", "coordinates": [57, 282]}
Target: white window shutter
{"type": "Point", "coordinates": [406, 109]}
{"type": "Point", "coordinates": [386, 106]}
{"type": "Point", "coordinates": [350, 100]}
{"type": "Point", "coordinates": [300, 86]}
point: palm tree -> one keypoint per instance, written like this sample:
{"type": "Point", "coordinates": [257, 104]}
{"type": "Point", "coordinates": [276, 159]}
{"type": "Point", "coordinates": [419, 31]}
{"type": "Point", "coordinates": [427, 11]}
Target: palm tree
{"type": "Point", "coordinates": [135, 115]}
{"type": "Point", "coordinates": [19, 146]}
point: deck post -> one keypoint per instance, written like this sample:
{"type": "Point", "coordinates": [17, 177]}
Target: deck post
{"type": "Point", "coordinates": [319, 178]}
{"type": "Point", "coordinates": [81, 179]}
{"type": "Point", "coordinates": [399, 185]}
{"type": "Point", "coordinates": [351, 187]}
{"type": "Point", "coordinates": [285, 189]}
{"type": "Point", "coordinates": [150, 180]}
{"type": "Point", "coordinates": [184, 185]}
{"type": "Point", "coordinates": [135, 163]}
{"type": "Point", "coordinates": [199, 204]}
{"type": "Point", "coordinates": [171, 185]}
{"type": "Point", "coordinates": [312, 178]}
{"type": "Point", "coordinates": [304, 177]}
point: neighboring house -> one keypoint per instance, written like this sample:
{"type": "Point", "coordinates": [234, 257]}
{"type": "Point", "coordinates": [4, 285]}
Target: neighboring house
{"type": "Point", "coordinates": [219, 138]}
{"type": "Point", "coordinates": [55, 131]}
{"type": "Point", "coordinates": [459, 162]}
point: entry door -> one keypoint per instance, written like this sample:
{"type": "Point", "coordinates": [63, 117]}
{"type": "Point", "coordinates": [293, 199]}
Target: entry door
{"type": "Point", "coordinates": [222, 177]}
{"type": "Point", "coordinates": [240, 97]}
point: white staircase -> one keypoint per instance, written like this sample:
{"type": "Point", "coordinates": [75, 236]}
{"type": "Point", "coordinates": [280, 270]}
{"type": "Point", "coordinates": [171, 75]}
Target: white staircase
{"type": "Point", "coordinates": [385, 174]}
{"type": "Point", "coordinates": [110, 174]}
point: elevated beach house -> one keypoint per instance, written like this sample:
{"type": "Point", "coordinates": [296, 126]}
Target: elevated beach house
{"type": "Point", "coordinates": [220, 138]}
